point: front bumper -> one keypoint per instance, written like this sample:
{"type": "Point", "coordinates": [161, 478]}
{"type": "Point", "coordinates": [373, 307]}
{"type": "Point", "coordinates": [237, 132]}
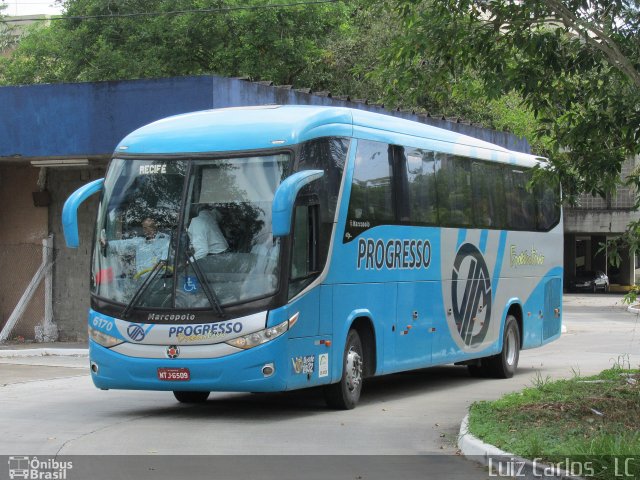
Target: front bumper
{"type": "Point", "coordinates": [240, 372]}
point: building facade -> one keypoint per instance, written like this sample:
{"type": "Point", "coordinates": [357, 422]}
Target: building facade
{"type": "Point", "coordinates": [594, 220]}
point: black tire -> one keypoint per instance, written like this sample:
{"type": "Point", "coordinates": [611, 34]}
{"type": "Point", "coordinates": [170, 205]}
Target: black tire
{"type": "Point", "coordinates": [191, 397]}
{"type": "Point", "coordinates": [504, 364]}
{"type": "Point", "coordinates": [345, 394]}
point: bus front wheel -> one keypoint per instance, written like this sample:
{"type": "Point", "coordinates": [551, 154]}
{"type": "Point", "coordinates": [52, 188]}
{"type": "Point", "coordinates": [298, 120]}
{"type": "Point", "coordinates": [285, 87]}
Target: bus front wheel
{"type": "Point", "coordinates": [345, 394]}
{"type": "Point", "coordinates": [191, 397]}
{"type": "Point", "coordinates": [504, 364]}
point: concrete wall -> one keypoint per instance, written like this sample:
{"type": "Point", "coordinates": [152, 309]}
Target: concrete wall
{"type": "Point", "coordinates": [89, 119]}
{"type": "Point", "coordinates": [23, 228]}
{"type": "Point", "coordinates": [85, 119]}
{"type": "Point", "coordinates": [71, 271]}
{"type": "Point", "coordinates": [598, 221]}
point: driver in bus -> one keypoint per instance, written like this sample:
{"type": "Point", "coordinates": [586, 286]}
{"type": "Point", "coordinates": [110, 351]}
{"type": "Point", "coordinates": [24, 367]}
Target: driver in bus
{"type": "Point", "coordinates": [205, 233]}
{"type": "Point", "coordinates": [149, 249]}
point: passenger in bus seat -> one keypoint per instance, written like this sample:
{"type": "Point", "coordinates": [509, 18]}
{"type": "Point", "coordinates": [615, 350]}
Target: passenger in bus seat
{"type": "Point", "coordinates": [205, 233]}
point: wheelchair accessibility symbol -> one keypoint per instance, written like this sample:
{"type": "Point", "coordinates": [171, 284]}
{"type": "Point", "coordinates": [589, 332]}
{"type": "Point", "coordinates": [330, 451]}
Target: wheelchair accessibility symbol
{"type": "Point", "coordinates": [190, 285]}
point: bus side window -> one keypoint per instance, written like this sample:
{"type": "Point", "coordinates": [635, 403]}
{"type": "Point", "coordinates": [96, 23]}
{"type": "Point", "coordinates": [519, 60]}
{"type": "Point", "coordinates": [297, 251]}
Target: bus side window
{"type": "Point", "coordinates": [488, 195]}
{"type": "Point", "coordinates": [454, 190]}
{"type": "Point", "coordinates": [521, 209]}
{"type": "Point", "coordinates": [315, 209]}
{"type": "Point", "coordinates": [421, 186]}
{"type": "Point", "coordinates": [548, 203]}
{"type": "Point", "coordinates": [372, 193]}
{"type": "Point", "coordinates": [304, 261]}
{"type": "Point", "coordinates": [328, 154]}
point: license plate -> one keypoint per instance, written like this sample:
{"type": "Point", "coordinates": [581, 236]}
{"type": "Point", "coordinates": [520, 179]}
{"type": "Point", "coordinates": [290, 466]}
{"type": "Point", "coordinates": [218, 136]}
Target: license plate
{"type": "Point", "coordinates": [174, 374]}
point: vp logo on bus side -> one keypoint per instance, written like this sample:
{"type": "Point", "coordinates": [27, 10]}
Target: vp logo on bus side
{"type": "Point", "coordinates": [471, 295]}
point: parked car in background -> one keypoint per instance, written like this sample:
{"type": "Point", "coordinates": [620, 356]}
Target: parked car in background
{"type": "Point", "coordinates": [590, 281]}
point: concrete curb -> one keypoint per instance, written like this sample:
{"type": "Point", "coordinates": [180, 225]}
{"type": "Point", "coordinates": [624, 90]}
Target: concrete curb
{"type": "Point", "coordinates": [503, 463]}
{"type": "Point", "coordinates": [45, 352]}
{"type": "Point", "coordinates": [633, 308]}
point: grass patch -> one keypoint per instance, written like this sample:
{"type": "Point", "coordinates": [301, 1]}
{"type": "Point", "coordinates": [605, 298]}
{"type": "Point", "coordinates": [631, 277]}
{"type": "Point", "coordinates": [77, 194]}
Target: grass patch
{"type": "Point", "coordinates": [590, 420]}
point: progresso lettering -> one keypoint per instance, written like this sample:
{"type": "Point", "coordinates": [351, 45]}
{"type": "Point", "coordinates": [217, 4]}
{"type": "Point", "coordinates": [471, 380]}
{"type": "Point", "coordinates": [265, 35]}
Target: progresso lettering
{"type": "Point", "coordinates": [206, 330]}
{"type": "Point", "coordinates": [393, 254]}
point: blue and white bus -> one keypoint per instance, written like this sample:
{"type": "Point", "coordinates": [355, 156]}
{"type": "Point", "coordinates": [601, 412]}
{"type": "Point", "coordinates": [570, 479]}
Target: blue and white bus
{"type": "Point", "coordinates": [275, 248]}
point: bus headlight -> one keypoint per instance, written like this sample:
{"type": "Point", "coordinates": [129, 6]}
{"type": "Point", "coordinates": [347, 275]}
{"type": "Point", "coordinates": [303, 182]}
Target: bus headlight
{"type": "Point", "coordinates": [263, 336]}
{"type": "Point", "coordinates": [103, 339]}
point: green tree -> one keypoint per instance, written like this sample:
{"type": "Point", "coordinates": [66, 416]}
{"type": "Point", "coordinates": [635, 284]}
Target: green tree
{"type": "Point", "coordinates": [7, 34]}
{"type": "Point", "coordinates": [574, 64]}
{"type": "Point", "coordinates": [279, 44]}
{"type": "Point", "coordinates": [335, 47]}
{"type": "Point", "coordinates": [354, 51]}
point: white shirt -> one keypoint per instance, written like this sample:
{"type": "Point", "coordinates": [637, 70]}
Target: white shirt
{"type": "Point", "coordinates": [206, 236]}
{"type": "Point", "coordinates": [147, 252]}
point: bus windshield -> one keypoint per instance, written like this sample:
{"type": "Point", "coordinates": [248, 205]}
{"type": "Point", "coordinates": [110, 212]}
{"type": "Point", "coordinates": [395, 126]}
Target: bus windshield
{"type": "Point", "coordinates": [188, 230]}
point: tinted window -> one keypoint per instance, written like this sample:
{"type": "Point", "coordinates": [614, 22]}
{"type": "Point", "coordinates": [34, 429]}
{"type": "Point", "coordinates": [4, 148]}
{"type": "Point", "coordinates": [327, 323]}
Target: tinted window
{"type": "Point", "coordinates": [521, 208]}
{"type": "Point", "coordinates": [330, 155]}
{"type": "Point", "coordinates": [300, 264]}
{"type": "Point", "coordinates": [488, 195]}
{"type": "Point", "coordinates": [371, 200]}
{"type": "Point", "coordinates": [454, 190]}
{"type": "Point", "coordinates": [421, 188]}
{"type": "Point", "coordinates": [548, 203]}
{"type": "Point", "coordinates": [316, 210]}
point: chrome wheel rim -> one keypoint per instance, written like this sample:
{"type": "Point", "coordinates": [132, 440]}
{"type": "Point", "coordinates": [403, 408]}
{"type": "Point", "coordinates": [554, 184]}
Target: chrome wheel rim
{"type": "Point", "coordinates": [353, 370]}
{"type": "Point", "coordinates": [511, 347]}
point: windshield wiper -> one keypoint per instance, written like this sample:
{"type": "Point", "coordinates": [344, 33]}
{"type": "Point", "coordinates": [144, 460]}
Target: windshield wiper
{"type": "Point", "coordinates": [147, 281]}
{"type": "Point", "coordinates": [210, 294]}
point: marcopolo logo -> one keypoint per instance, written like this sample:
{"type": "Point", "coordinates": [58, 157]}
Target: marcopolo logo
{"type": "Point", "coordinates": [171, 317]}
{"type": "Point", "coordinates": [38, 469]}
{"type": "Point", "coordinates": [471, 295]}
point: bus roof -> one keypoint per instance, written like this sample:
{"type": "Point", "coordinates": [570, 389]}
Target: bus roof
{"type": "Point", "coordinates": [269, 126]}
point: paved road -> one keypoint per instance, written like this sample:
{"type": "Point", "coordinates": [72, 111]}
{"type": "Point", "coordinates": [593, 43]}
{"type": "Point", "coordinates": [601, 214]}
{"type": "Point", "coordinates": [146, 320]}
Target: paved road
{"type": "Point", "coordinates": [49, 406]}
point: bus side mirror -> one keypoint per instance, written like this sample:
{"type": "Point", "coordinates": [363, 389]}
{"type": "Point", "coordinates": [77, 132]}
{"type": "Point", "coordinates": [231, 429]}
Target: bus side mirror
{"type": "Point", "coordinates": [285, 197]}
{"type": "Point", "coordinates": [70, 211]}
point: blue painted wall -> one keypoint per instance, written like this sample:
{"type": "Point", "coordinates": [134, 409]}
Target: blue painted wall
{"type": "Point", "coordinates": [85, 119]}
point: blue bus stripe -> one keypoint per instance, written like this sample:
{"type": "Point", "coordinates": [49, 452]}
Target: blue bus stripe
{"type": "Point", "coordinates": [483, 240]}
{"type": "Point", "coordinates": [462, 234]}
{"type": "Point", "coordinates": [498, 267]}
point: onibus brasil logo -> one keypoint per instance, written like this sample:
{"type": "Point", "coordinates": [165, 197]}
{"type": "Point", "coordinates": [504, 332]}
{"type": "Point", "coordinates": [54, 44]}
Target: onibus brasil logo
{"type": "Point", "coordinates": [38, 469]}
{"type": "Point", "coordinates": [471, 295]}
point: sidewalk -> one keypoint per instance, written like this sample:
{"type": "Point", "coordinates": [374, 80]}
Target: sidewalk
{"type": "Point", "coordinates": [79, 349]}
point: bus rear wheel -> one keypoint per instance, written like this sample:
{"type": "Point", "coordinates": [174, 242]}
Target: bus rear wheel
{"type": "Point", "coordinates": [345, 394]}
{"type": "Point", "coordinates": [191, 397]}
{"type": "Point", "coordinates": [504, 364]}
